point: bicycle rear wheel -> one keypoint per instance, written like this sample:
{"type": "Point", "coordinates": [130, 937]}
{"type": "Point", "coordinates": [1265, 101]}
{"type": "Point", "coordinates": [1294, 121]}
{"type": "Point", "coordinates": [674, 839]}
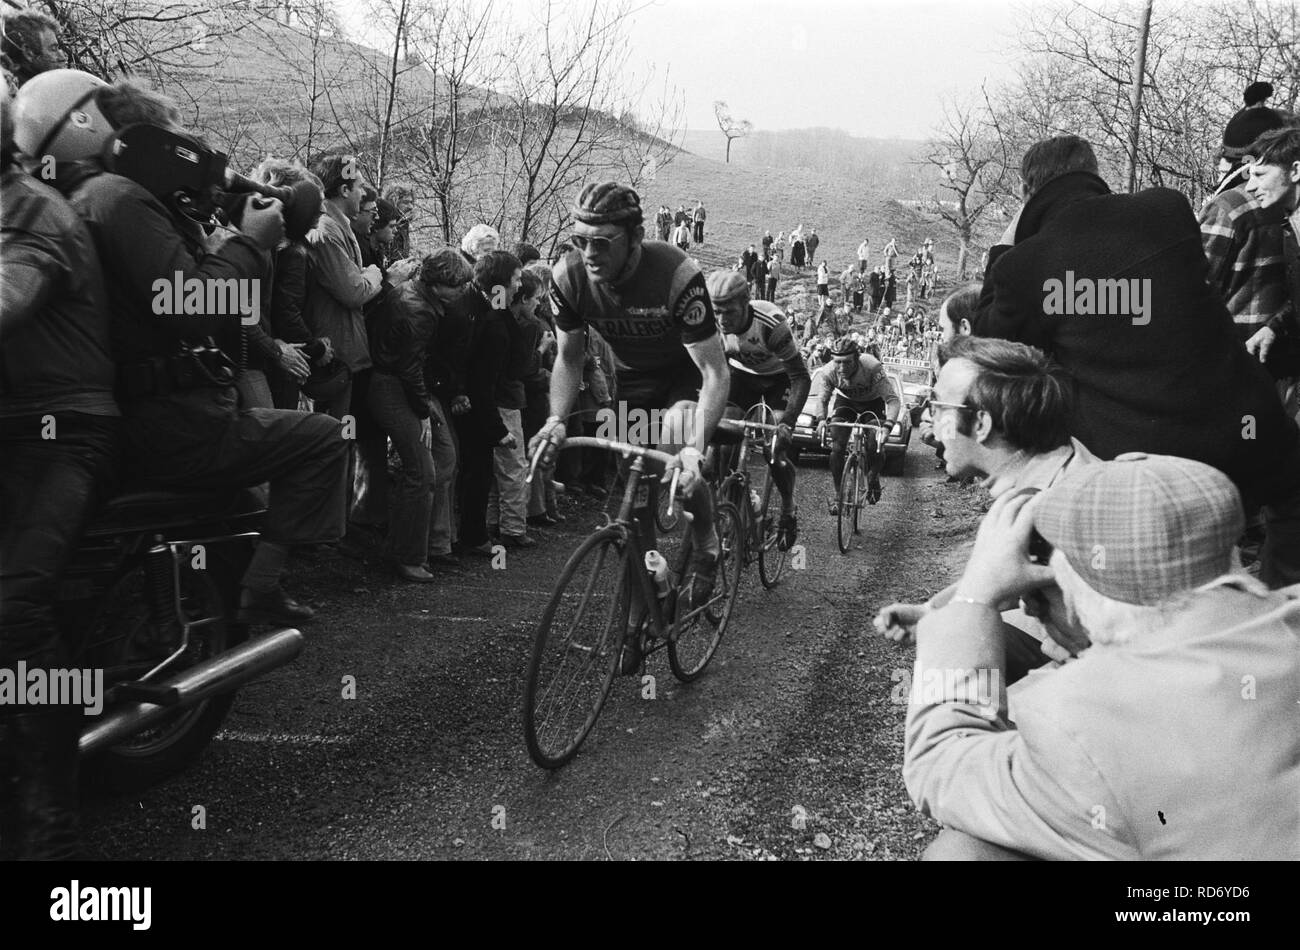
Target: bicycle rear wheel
{"type": "Point", "coordinates": [771, 559]}
{"type": "Point", "coordinates": [698, 640]}
{"type": "Point", "coordinates": [850, 497]}
{"type": "Point", "coordinates": [576, 651]}
{"type": "Point", "coordinates": [861, 496]}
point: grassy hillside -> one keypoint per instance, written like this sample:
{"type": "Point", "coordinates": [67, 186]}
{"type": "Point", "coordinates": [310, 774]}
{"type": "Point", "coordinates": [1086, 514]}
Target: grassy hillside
{"type": "Point", "coordinates": [743, 200]}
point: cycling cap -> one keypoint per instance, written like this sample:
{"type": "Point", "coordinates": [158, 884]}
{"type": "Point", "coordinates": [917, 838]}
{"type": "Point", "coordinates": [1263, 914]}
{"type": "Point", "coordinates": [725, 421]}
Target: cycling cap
{"type": "Point", "coordinates": [607, 203]}
{"type": "Point", "coordinates": [726, 285]}
{"type": "Point", "coordinates": [844, 346]}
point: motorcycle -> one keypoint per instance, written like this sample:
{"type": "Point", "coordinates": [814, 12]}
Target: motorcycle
{"type": "Point", "coordinates": [151, 598]}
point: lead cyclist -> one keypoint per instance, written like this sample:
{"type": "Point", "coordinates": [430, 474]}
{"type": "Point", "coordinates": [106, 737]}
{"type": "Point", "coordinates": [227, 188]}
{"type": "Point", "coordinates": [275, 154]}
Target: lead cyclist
{"type": "Point", "coordinates": [649, 302]}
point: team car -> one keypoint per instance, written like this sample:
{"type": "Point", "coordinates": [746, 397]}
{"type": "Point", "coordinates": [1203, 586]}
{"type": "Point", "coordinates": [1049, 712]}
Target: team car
{"type": "Point", "coordinates": [896, 442]}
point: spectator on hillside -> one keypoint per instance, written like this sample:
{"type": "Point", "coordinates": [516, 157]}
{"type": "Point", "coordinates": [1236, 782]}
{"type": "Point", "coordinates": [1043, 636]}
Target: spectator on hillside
{"type": "Point", "coordinates": [402, 196]}
{"type": "Point", "coordinates": [778, 246]}
{"type": "Point", "coordinates": [891, 289]}
{"type": "Point", "coordinates": [856, 286]}
{"type": "Point", "coordinates": [338, 284]}
{"type": "Point", "coordinates": [699, 217]}
{"type": "Point", "coordinates": [747, 258]}
{"type": "Point", "coordinates": [681, 216]}
{"type": "Point", "coordinates": [810, 245]}
{"type": "Point", "coordinates": [824, 283]}
{"type": "Point", "coordinates": [890, 254]}
{"type": "Point", "coordinates": [1213, 403]}
{"type": "Point", "coordinates": [296, 348]}
{"type": "Point", "coordinates": [773, 278]}
{"type": "Point", "coordinates": [29, 46]}
{"type": "Point", "coordinates": [797, 250]}
{"type": "Point", "coordinates": [864, 255]}
{"type": "Point", "coordinates": [664, 221]}
{"type": "Point", "coordinates": [447, 276]}
{"type": "Point", "coordinates": [479, 240]}
{"type": "Point", "coordinates": [758, 277]}
{"type": "Point", "coordinates": [682, 236]}
{"type": "Point", "coordinates": [767, 243]}
{"type": "Point", "coordinates": [1243, 241]}
{"type": "Point", "coordinates": [876, 283]}
{"type": "Point", "coordinates": [497, 277]}
{"type": "Point", "coordinates": [1150, 720]}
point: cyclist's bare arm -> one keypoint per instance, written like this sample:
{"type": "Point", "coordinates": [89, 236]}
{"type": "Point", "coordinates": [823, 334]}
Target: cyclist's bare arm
{"type": "Point", "coordinates": [566, 375]}
{"type": "Point", "coordinates": [711, 360]}
{"type": "Point", "coordinates": [800, 386]}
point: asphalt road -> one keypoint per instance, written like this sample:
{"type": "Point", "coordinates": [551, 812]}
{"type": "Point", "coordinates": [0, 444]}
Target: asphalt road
{"type": "Point", "coordinates": [788, 748]}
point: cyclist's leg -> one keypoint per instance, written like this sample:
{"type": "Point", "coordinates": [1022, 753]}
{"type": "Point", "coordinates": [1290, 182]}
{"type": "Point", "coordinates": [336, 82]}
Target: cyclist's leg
{"type": "Point", "coordinates": [839, 443]}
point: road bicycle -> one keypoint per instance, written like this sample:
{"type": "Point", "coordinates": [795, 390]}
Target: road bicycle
{"type": "Point", "coordinates": [854, 490]}
{"type": "Point", "coordinates": [755, 494]}
{"type": "Point", "coordinates": [616, 587]}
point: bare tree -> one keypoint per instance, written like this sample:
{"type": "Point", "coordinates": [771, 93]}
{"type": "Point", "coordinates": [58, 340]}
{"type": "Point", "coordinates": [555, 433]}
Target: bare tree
{"type": "Point", "coordinates": [731, 127]}
{"type": "Point", "coordinates": [1135, 117]}
{"type": "Point", "coordinates": [971, 158]}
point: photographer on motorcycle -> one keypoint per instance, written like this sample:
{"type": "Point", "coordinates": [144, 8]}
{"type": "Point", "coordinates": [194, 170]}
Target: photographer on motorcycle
{"type": "Point", "coordinates": [59, 434]}
{"type": "Point", "coordinates": [175, 385]}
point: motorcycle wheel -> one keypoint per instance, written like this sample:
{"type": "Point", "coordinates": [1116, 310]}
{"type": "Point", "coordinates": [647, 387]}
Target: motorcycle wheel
{"type": "Point", "coordinates": [121, 645]}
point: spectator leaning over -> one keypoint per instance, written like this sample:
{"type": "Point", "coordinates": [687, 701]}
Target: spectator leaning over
{"type": "Point", "coordinates": [699, 217]}
{"type": "Point", "coordinates": [338, 285]}
{"type": "Point", "coordinates": [176, 392]}
{"type": "Point", "coordinates": [29, 46]}
{"type": "Point", "coordinates": [1161, 370]}
{"type": "Point", "coordinates": [480, 426]}
{"type": "Point", "coordinates": [508, 502]}
{"type": "Point", "coordinates": [1000, 411]}
{"type": "Point", "coordinates": [383, 235]}
{"type": "Point", "coordinates": [296, 349]}
{"type": "Point", "coordinates": [1174, 736]}
{"type": "Point", "coordinates": [56, 379]}
{"type": "Point", "coordinates": [1243, 242]}
{"type": "Point", "coordinates": [810, 245]}
{"type": "Point", "coordinates": [444, 275]}
{"type": "Point", "coordinates": [403, 408]}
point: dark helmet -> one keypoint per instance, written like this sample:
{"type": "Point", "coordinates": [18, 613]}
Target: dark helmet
{"type": "Point", "coordinates": [844, 346]}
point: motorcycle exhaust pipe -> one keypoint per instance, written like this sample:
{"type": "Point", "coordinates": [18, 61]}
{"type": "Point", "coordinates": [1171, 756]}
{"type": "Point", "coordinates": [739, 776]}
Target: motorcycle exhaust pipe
{"type": "Point", "coordinates": [221, 674]}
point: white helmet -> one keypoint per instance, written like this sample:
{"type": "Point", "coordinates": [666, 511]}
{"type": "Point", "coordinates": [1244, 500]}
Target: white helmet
{"type": "Point", "coordinates": [55, 114]}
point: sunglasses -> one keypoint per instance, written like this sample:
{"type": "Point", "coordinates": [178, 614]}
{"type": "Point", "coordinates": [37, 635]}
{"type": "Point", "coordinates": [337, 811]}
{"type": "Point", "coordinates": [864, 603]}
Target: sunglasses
{"type": "Point", "coordinates": [600, 245]}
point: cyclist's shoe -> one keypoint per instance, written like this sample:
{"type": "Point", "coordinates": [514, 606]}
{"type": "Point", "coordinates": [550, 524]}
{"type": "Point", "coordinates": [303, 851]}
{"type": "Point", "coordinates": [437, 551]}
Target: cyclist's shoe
{"type": "Point", "coordinates": [700, 577]}
{"type": "Point", "coordinates": [787, 532]}
{"type": "Point", "coordinates": [874, 490]}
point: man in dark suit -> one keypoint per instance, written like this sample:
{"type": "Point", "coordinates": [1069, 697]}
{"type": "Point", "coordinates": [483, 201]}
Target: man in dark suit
{"type": "Point", "coordinates": [1115, 288]}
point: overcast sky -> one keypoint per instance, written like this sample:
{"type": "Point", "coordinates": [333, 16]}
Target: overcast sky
{"type": "Point", "coordinates": [872, 68]}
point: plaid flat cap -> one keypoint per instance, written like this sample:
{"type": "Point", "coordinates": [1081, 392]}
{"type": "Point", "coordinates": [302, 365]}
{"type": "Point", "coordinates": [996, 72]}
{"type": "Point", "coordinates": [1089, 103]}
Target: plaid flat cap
{"type": "Point", "coordinates": [1143, 527]}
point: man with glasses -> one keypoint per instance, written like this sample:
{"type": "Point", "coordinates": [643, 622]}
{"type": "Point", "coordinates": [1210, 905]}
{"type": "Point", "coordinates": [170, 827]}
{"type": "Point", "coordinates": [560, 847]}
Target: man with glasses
{"type": "Point", "coordinates": [1001, 410]}
{"type": "Point", "coordinates": [858, 383]}
{"type": "Point", "coordinates": [648, 300]}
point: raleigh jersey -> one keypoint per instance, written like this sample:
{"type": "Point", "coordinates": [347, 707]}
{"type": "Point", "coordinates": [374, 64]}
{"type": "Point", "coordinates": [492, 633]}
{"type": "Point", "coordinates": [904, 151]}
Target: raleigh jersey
{"type": "Point", "coordinates": [766, 346]}
{"type": "Point", "coordinates": [648, 318]}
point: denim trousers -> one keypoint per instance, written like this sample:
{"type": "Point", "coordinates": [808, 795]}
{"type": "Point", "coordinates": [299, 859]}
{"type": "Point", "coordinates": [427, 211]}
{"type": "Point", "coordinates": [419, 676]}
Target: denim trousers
{"type": "Point", "coordinates": [408, 532]}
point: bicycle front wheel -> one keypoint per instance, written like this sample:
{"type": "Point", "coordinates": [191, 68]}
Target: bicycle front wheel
{"type": "Point", "coordinates": [576, 651]}
{"type": "Point", "coordinates": [771, 559]}
{"type": "Point", "coordinates": [698, 640]}
{"type": "Point", "coordinates": [848, 506]}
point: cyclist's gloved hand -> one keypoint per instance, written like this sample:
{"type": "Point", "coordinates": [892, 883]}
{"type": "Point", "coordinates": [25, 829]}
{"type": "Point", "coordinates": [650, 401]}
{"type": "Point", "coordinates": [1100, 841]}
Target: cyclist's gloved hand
{"type": "Point", "coordinates": [549, 438]}
{"type": "Point", "coordinates": [689, 461]}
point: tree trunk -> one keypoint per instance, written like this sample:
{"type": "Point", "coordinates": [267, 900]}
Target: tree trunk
{"type": "Point", "coordinates": [728, 149]}
{"type": "Point", "coordinates": [1139, 80]}
{"type": "Point", "coordinates": [963, 253]}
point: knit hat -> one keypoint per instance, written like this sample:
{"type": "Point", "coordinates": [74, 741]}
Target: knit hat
{"type": "Point", "coordinates": [1143, 528]}
{"type": "Point", "coordinates": [1251, 122]}
{"type": "Point", "coordinates": [445, 266]}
